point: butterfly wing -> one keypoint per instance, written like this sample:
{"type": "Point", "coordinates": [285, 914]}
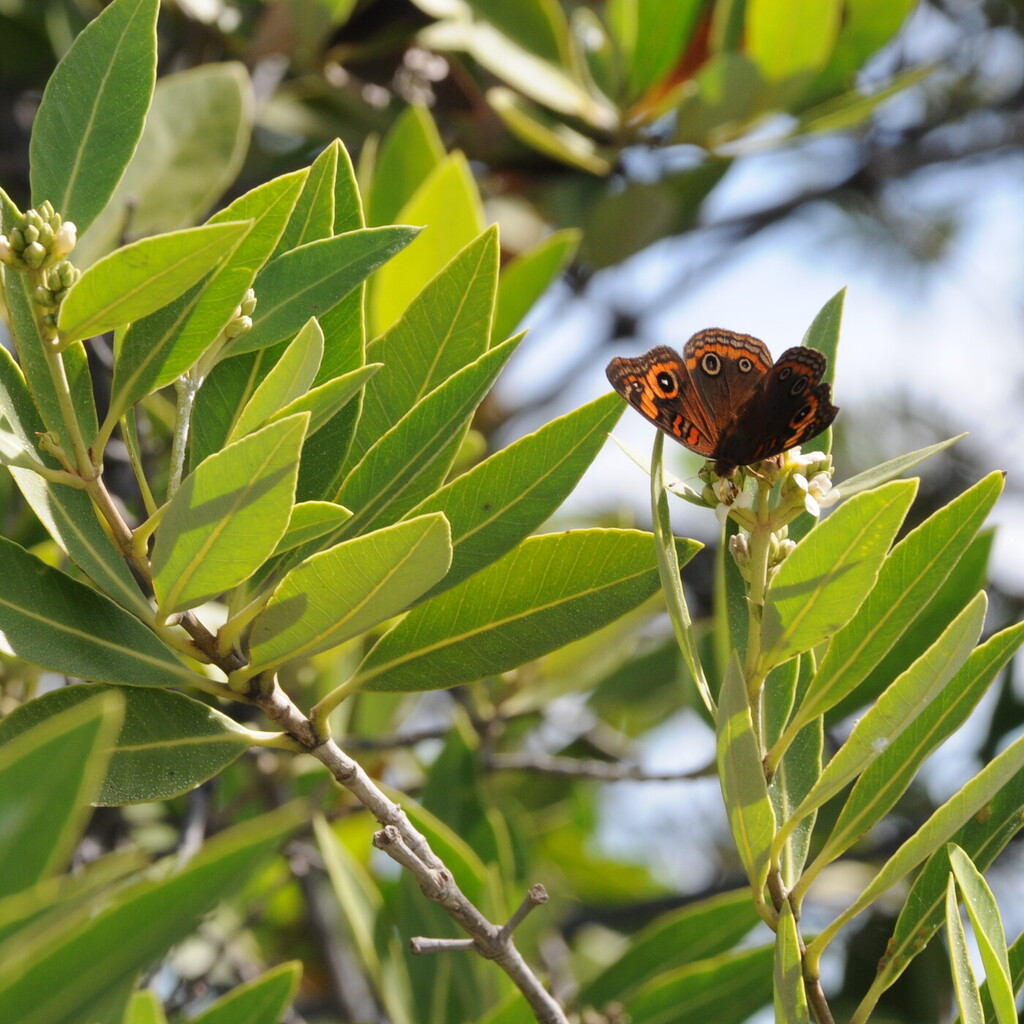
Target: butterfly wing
{"type": "Point", "coordinates": [658, 386]}
{"type": "Point", "coordinates": [726, 369]}
{"type": "Point", "coordinates": [790, 405]}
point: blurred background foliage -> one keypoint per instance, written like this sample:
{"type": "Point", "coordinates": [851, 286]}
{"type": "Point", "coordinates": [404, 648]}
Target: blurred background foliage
{"type": "Point", "coordinates": [653, 140]}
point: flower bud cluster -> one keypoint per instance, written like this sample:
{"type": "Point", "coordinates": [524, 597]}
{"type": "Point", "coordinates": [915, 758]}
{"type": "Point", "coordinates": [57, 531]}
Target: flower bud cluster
{"type": "Point", "coordinates": [40, 238]}
{"type": "Point", "coordinates": [56, 281]}
{"type": "Point", "coordinates": [241, 320]}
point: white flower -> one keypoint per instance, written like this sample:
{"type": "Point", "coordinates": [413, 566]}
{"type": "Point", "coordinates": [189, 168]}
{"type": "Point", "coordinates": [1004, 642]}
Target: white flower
{"type": "Point", "coordinates": [65, 240]}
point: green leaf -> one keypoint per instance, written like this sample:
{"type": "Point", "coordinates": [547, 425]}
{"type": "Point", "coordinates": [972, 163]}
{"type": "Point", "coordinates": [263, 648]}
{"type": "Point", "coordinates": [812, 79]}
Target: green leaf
{"type": "Point", "coordinates": [968, 997]}
{"type": "Point", "coordinates": [168, 743]}
{"type": "Point", "coordinates": [886, 471]}
{"type": "Point", "coordinates": [740, 771]}
{"type": "Point", "coordinates": [822, 583]}
{"type": "Point", "coordinates": [196, 134]}
{"type": "Point", "coordinates": [725, 989]}
{"type": "Point", "coordinates": [448, 204]}
{"type": "Point", "coordinates": [314, 278]}
{"type": "Point", "coordinates": [54, 621]}
{"type": "Point", "coordinates": [988, 932]}
{"type": "Point", "coordinates": [49, 776]}
{"type": "Point", "coordinates": [324, 402]}
{"type": "Point", "coordinates": [791, 37]}
{"type": "Point", "coordinates": [445, 327]}
{"type": "Point", "coordinates": [539, 26]}
{"type": "Point", "coordinates": [559, 89]}
{"type": "Point", "coordinates": [264, 1000]}
{"type": "Point", "coordinates": [546, 132]}
{"type": "Point", "coordinates": [889, 776]}
{"type": "Point", "coordinates": [792, 780]}
{"type": "Point", "coordinates": [975, 795]}
{"type": "Point", "coordinates": [360, 901]}
{"type": "Point", "coordinates": [652, 34]}
{"type": "Point", "coordinates": [969, 575]}
{"type": "Point", "coordinates": [290, 378]}
{"type": "Point", "coordinates": [228, 516]}
{"type": "Point", "coordinates": [543, 594]}
{"type": "Point", "coordinates": [704, 929]}
{"type": "Point", "coordinates": [790, 996]}
{"type": "Point", "coordinates": [68, 514]}
{"type": "Point", "coordinates": [142, 277]}
{"type": "Point", "coordinates": [73, 969]}
{"type": "Point", "coordinates": [341, 592]}
{"type": "Point", "coordinates": [409, 153]}
{"type": "Point", "coordinates": [411, 459]}
{"type": "Point", "coordinates": [161, 347]}
{"type": "Point", "coordinates": [503, 499]}
{"type": "Point", "coordinates": [93, 110]}
{"type": "Point", "coordinates": [526, 278]}
{"type": "Point", "coordinates": [899, 705]}
{"type": "Point", "coordinates": [310, 520]}
{"type": "Point", "coordinates": [313, 216]}
{"type": "Point", "coordinates": [144, 1008]}
{"type": "Point", "coordinates": [983, 836]}
{"type": "Point", "coordinates": [907, 581]}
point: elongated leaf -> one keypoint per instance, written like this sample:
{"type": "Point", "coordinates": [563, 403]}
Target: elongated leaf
{"type": "Point", "coordinates": [544, 593]}
{"type": "Point", "coordinates": [791, 38]}
{"type": "Point", "coordinates": [725, 989]}
{"type": "Point", "coordinates": [313, 216]}
{"type": "Point", "coordinates": [140, 278]}
{"type": "Point", "coordinates": [965, 985]}
{"type": "Point", "coordinates": [93, 110]}
{"type": "Point", "coordinates": [940, 827]}
{"type": "Point", "coordinates": [900, 705]}
{"type": "Point", "coordinates": [345, 590]}
{"type": "Point", "coordinates": [144, 1008]}
{"type": "Point", "coordinates": [49, 776]}
{"type": "Point", "coordinates": [968, 575]}
{"type": "Point", "coordinates": [67, 514]}
{"type": "Point", "coordinates": [73, 969]}
{"type": "Point", "coordinates": [448, 204]}
{"type": "Point", "coordinates": [289, 379]}
{"type": "Point", "coordinates": [751, 816]}
{"type": "Point", "coordinates": [51, 620]}
{"type": "Point", "coordinates": [525, 279]}
{"type": "Point", "coordinates": [168, 743]}
{"type": "Point", "coordinates": [325, 401]}
{"type": "Point", "coordinates": [822, 584]}
{"type": "Point", "coordinates": [671, 582]}
{"type": "Point", "coordinates": [445, 327]}
{"type": "Point", "coordinates": [264, 1000]}
{"type": "Point", "coordinates": [983, 836]}
{"type": "Point", "coordinates": [909, 578]}
{"type": "Point", "coordinates": [886, 471]}
{"type": "Point", "coordinates": [411, 149]}
{"type": "Point", "coordinates": [506, 497]}
{"type": "Point", "coordinates": [794, 778]}
{"type": "Point", "coordinates": [314, 278]}
{"type": "Point", "coordinates": [159, 348]}
{"type": "Point", "coordinates": [197, 131]}
{"type": "Point", "coordinates": [790, 997]}
{"type": "Point", "coordinates": [887, 778]}
{"type": "Point", "coordinates": [703, 929]}
{"type": "Point", "coordinates": [410, 460]}
{"type": "Point", "coordinates": [360, 901]}
{"type": "Point", "coordinates": [988, 931]}
{"type": "Point", "coordinates": [310, 520]}
{"type": "Point", "coordinates": [228, 516]}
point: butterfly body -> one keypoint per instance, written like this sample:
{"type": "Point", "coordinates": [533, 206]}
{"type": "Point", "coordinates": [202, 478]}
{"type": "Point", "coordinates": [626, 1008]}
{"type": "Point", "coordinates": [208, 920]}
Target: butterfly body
{"type": "Point", "coordinates": [724, 397]}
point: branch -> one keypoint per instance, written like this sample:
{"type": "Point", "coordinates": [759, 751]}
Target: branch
{"type": "Point", "coordinates": [589, 768]}
{"type": "Point", "coordinates": [405, 844]}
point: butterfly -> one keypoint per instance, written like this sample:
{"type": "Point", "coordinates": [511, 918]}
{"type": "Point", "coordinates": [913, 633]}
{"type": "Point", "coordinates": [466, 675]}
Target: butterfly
{"type": "Point", "coordinates": [725, 399]}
